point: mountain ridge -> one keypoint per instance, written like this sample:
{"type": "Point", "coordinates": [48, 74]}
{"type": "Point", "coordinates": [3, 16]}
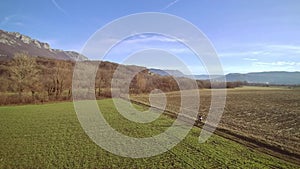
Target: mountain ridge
{"type": "Point", "coordinates": [266, 77]}
{"type": "Point", "coordinates": [15, 42]}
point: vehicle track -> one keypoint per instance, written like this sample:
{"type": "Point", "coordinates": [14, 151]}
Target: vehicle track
{"type": "Point", "coordinates": [258, 145]}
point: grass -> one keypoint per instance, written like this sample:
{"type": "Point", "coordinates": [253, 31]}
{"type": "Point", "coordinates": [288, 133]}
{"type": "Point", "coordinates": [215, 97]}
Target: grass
{"type": "Point", "coordinates": [50, 136]}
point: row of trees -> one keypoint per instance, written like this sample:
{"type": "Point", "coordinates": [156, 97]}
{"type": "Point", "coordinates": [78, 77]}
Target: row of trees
{"type": "Point", "coordinates": [27, 79]}
{"type": "Point", "coordinates": [34, 79]}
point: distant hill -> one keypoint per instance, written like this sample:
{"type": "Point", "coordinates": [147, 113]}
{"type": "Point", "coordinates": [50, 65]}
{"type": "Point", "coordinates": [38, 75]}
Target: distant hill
{"type": "Point", "coordinates": [276, 77]}
{"type": "Point", "coordinates": [204, 77]}
{"type": "Point", "coordinates": [14, 42]}
{"type": "Point", "coordinates": [175, 73]}
{"type": "Point", "coordinates": [178, 73]}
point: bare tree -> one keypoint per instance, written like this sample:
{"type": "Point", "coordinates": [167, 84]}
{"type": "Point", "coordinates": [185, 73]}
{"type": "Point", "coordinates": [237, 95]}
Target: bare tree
{"type": "Point", "coordinates": [23, 73]}
{"type": "Point", "coordinates": [141, 82]}
{"type": "Point", "coordinates": [57, 79]}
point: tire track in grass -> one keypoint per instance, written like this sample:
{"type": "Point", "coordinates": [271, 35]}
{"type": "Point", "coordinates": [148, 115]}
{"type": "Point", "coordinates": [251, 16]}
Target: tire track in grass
{"type": "Point", "coordinates": [176, 150]}
{"type": "Point", "coordinates": [178, 154]}
{"type": "Point", "coordinates": [253, 143]}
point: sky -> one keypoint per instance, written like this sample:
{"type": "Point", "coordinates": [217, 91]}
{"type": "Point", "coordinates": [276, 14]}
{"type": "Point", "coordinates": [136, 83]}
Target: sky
{"type": "Point", "coordinates": [248, 35]}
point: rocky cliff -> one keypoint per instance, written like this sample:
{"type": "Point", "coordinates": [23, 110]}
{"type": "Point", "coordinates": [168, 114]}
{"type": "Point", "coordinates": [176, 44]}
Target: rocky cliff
{"type": "Point", "coordinates": [14, 42]}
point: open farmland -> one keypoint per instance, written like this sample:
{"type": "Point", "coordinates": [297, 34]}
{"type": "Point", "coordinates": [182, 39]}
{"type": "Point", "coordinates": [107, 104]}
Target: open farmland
{"type": "Point", "coordinates": [50, 136]}
{"type": "Point", "coordinates": [268, 114]}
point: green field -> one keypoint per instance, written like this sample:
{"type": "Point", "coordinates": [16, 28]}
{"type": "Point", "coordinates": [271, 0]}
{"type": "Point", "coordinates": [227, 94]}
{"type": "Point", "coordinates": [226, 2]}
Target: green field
{"type": "Point", "coordinates": [50, 136]}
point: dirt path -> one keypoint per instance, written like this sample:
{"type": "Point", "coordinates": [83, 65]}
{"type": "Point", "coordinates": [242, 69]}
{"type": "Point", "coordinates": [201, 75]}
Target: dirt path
{"type": "Point", "coordinates": [253, 143]}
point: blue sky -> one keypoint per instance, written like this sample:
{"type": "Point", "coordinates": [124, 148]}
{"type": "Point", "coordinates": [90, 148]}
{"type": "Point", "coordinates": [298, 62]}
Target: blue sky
{"type": "Point", "coordinates": [248, 35]}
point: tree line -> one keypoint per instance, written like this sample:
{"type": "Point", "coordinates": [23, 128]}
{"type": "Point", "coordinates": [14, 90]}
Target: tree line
{"type": "Point", "coordinates": [28, 79]}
